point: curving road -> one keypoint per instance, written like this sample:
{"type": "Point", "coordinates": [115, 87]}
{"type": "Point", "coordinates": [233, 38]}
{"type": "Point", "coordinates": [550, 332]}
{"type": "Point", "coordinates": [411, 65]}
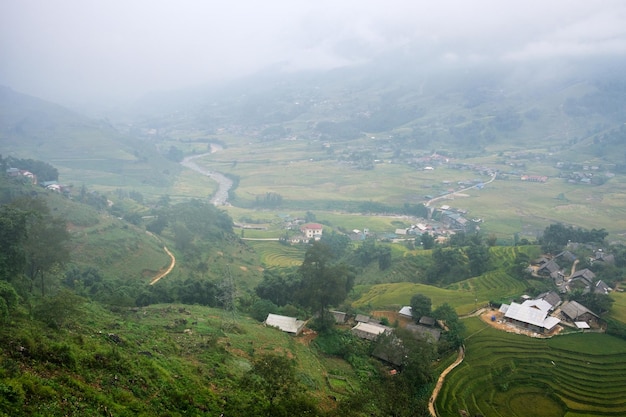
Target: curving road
{"type": "Point", "coordinates": [169, 268]}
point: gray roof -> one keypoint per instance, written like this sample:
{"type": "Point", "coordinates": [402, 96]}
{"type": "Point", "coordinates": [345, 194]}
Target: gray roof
{"type": "Point", "coordinates": [369, 331]}
{"type": "Point", "coordinates": [340, 316]}
{"type": "Point", "coordinates": [427, 321]}
{"type": "Point", "coordinates": [584, 274]}
{"type": "Point", "coordinates": [601, 288]}
{"type": "Point", "coordinates": [406, 311]}
{"type": "Point", "coordinates": [429, 332]}
{"type": "Point", "coordinates": [362, 318]}
{"type": "Point", "coordinates": [549, 267]}
{"type": "Point", "coordinates": [573, 310]}
{"type": "Point", "coordinates": [551, 297]}
{"type": "Point", "coordinates": [284, 323]}
{"type": "Point", "coordinates": [567, 255]}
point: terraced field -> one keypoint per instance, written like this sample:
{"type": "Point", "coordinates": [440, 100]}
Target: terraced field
{"type": "Point", "coordinates": [272, 253]}
{"type": "Point", "coordinates": [510, 375]}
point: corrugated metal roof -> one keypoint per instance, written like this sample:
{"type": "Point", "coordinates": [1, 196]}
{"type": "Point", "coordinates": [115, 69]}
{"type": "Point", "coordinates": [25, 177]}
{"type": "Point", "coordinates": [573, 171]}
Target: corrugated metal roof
{"type": "Point", "coordinates": [369, 330]}
{"type": "Point", "coordinates": [531, 314]}
{"type": "Point", "coordinates": [284, 323]}
{"type": "Point", "coordinates": [406, 311]}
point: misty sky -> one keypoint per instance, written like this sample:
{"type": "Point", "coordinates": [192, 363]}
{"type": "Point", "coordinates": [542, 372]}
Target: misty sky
{"type": "Point", "coordinates": [72, 50]}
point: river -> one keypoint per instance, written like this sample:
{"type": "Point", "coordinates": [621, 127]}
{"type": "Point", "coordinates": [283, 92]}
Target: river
{"type": "Point", "coordinates": [220, 198]}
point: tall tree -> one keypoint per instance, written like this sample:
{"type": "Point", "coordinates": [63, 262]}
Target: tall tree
{"type": "Point", "coordinates": [420, 306]}
{"type": "Point", "coordinates": [12, 237]}
{"type": "Point", "coordinates": [324, 283]}
{"type": "Point", "coordinates": [45, 246]}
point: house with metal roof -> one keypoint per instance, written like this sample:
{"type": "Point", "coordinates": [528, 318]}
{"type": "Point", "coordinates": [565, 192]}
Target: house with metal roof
{"type": "Point", "coordinates": [284, 323]}
{"type": "Point", "coordinates": [406, 311]}
{"type": "Point", "coordinates": [575, 312]}
{"type": "Point", "coordinates": [370, 331]}
{"type": "Point", "coordinates": [531, 315]}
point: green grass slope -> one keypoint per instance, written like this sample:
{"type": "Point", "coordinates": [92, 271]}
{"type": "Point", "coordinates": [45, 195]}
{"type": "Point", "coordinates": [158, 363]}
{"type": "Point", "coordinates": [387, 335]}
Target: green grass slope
{"type": "Point", "coordinates": [160, 360]}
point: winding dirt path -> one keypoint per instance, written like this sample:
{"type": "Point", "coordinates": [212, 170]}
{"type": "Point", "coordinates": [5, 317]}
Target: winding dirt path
{"type": "Point", "coordinates": [433, 397]}
{"type": "Point", "coordinates": [169, 268]}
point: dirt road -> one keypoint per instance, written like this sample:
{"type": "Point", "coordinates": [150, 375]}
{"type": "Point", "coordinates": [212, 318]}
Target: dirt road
{"type": "Point", "coordinates": [442, 377]}
{"type": "Point", "coordinates": [169, 268]}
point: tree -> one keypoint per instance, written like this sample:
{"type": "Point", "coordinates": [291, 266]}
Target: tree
{"type": "Point", "coordinates": [46, 243]}
{"type": "Point", "coordinates": [478, 256]}
{"type": "Point", "coordinates": [278, 286]}
{"type": "Point", "coordinates": [8, 300]}
{"type": "Point", "coordinates": [338, 242]}
{"type": "Point", "coordinates": [427, 241]}
{"type": "Point", "coordinates": [406, 393]}
{"type": "Point", "coordinates": [420, 306]}
{"type": "Point", "coordinates": [56, 311]}
{"type": "Point", "coordinates": [452, 338]}
{"type": "Point", "coordinates": [323, 282]}
{"type": "Point", "coordinates": [12, 237]}
{"type": "Point", "coordinates": [273, 378]}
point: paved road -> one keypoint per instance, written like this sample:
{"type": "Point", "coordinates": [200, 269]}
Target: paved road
{"type": "Point", "coordinates": [432, 200]}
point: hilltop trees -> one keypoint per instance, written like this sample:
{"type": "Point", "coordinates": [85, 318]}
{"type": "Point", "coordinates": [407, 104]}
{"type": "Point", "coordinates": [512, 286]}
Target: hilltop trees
{"type": "Point", "coordinates": [556, 236]}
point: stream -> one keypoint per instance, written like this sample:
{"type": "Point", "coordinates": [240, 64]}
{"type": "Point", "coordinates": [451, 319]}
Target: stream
{"type": "Point", "coordinates": [224, 183]}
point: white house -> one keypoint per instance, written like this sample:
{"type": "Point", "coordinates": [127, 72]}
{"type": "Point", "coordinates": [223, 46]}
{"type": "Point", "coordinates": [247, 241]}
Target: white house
{"type": "Point", "coordinates": [312, 230]}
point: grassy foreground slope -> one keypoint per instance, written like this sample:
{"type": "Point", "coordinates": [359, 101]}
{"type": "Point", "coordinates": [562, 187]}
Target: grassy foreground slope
{"type": "Point", "coordinates": [510, 375]}
{"type": "Point", "coordinates": [160, 360]}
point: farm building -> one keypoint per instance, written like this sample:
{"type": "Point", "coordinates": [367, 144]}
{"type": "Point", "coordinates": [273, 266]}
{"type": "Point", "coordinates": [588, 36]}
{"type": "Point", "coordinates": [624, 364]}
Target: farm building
{"type": "Point", "coordinates": [406, 311]}
{"type": "Point", "coordinates": [574, 311]}
{"type": "Point", "coordinates": [427, 321]}
{"type": "Point", "coordinates": [339, 316]}
{"type": "Point", "coordinates": [531, 314]}
{"type": "Point", "coordinates": [550, 297]}
{"type": "Point", "coordinates": [427, 332]}
{"type": "Point", "coordinates": [284, 323]}
{"type": "Point", "coordinates": [362, 318]}
{"type": "Point", "coordinates": [369, 331]}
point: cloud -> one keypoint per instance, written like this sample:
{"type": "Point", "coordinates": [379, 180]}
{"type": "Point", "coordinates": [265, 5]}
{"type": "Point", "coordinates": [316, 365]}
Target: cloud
{"type": "Point", "coordinates": [76, 48]}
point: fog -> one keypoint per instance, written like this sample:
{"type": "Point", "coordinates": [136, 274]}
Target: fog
{"type": "Point", "coordinates": [76, 50]}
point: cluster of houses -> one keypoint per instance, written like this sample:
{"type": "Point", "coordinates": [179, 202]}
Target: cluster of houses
{"type": "Point", "coordinates": [32, 178]}
{"type": "Point", "coordinates": [16, 172]}
{"type": "Point", "coordinates": [583, 279]}
{"type": "Point", "coordinates": [544, 313]}
{"type": "Point", "coordinates": [365, 327]}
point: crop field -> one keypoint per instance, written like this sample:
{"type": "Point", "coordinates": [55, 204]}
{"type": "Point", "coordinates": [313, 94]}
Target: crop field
{"type": "Point", "coordinates": [288, 169]}
{"type": "Point", "coordinates": [618, 309]}
{"type": "Point", "coordinates": [510, 375]}
{"type": "Point", "coordinates": [464, 296]}
{"type": "Point", "coordinates": [276, 254]}
{"type": "Point", "coordinates": [399, 294]}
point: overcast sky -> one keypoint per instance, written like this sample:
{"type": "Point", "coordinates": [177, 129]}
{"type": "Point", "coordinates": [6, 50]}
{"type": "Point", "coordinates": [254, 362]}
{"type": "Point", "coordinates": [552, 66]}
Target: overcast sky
{"type": "Point", "coordinates": [68, 50]}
